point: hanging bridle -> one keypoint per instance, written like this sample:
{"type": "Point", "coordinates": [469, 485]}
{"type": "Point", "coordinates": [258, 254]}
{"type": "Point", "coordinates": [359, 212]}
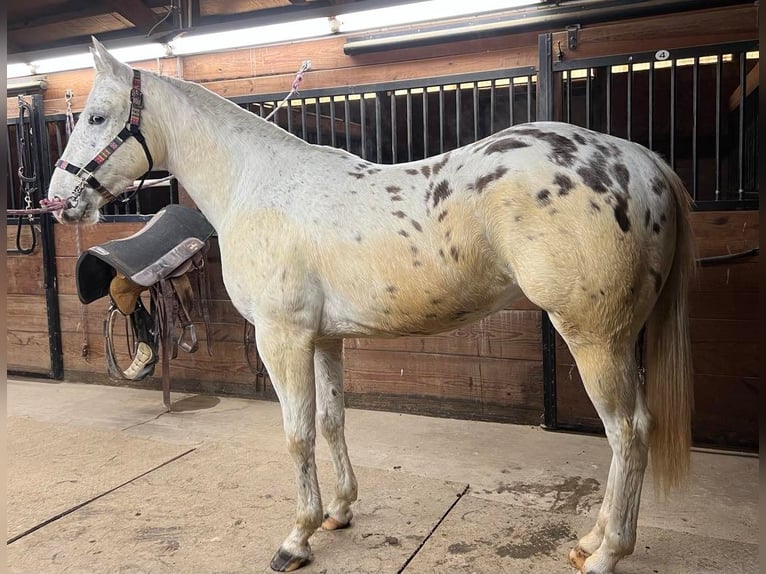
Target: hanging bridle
{"type": "Point", "coordinates": [132, 128]}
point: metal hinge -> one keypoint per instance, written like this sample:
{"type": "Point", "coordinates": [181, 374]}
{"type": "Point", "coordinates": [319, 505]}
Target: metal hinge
{"type": "Point", "coordinates": [572, 36]}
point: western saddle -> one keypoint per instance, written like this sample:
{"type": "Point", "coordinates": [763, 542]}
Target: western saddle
{"type": "Point", "coordinates": [167, 259]}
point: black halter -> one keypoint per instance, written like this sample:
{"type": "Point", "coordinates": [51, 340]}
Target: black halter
{"type": "Point", "coordinates": [131, 129]}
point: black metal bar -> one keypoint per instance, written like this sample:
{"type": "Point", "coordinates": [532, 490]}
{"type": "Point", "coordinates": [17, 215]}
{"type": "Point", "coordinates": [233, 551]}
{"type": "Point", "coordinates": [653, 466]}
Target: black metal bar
{"type": "Point", "coordinates": [741, 122]}
{"type": "Point", "coordinates": [304, 129]}
{"type": "Point", "coordinates": [394, 123]}
{"type": "Point", "coordinates": [629, 113]}
{"type": "Point", "coordinates": [333, 139]}
{"type": "Point", "coordinates": [548, 334]}
{"type": "Point", "coordinates": [425, 122]}
{"type": "Point", "coordinates": [475, 111]}
{"type": "Point", "coordinates": [695, 120]}
{"type": "Point", "coordinates": [318, 120]}
{"type": "Point", "coordinates": [529, 97]}
{"type": "Point", "coordinates": [651, 105]}
{"type": "Point", "coordinates": [550, 407]}
{"type": "Point", "coordinates": [458, 104]}
{"type": "Point", "coordinates": [727, 205]}
{"type": "Point", "coordinates": [608, 99]}
{"type": "Point", "coordinates": [511, 100]}
{"type": "Point", "coordinates": [363, 121]}
{"type": "Point", "coordinates": [544, 80]}
{"type": "Point", "coordinates": [718, 74]}
{"type": "Point", "coordinates": [673, 114]}
{"type": "Point", "coordinates": [378, 129]}
{"type": "Point", "coordinates": [48, 245]}
{"type": "Point", "coordinates": [289, 108]}
{"type": "Point", "coordinates": [643, 57]}
{"type": "Point", "coordinates": [587, 97]}
{"type": "Point", "coordinates": [347, 121]}
{"type": "Point", "coordinates": [409, 124]}
{"type": "Point", "coordinates": [568, 95]}
{"type": "Point", "coordinates": [492, 106]}
{"type": "Point", "coordinates": [441, 118]}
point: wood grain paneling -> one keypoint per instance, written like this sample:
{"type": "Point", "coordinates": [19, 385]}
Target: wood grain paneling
{"type": "Point", "coordinates": [484, 387]}
{"type": "Point", "coordinates": [506, 334]}
{"type": "Point", "coordinates": [25, 274]}
{"type": "Point", "coordinates": [690, 29]}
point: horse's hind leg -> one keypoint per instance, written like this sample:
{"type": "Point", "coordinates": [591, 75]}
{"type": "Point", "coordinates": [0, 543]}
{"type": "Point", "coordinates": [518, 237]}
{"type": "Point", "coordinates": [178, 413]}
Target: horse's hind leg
{"type": "Point", "coordinates": [289, 356]}
{"type": "Point", "coordinates": [610, 374]}
{"type": "Point", "coordinates": [328, 367]}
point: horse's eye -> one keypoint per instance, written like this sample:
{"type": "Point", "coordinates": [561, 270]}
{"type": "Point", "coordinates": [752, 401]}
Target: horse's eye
{"type": "Point", "coordinates": [96, 120]}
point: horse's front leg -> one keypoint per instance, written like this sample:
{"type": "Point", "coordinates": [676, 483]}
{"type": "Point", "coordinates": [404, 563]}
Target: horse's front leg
{"type": "Point", "coordinates": [288, 354]}
{"type": "Point", "coordinates": [328, 368]}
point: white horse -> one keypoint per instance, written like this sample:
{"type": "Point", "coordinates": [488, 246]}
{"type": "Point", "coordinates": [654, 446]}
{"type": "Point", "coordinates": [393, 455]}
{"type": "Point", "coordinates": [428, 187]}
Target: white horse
{"type": "Point", "coordinates": [318, 244]}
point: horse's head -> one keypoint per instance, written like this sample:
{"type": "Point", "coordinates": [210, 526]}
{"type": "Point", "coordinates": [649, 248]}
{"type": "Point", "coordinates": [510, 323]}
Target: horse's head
{"type": "Point", "coordinates": [107, 150]}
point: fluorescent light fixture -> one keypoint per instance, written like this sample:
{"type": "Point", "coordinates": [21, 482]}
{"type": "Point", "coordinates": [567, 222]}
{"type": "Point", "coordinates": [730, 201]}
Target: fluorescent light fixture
{"type": "Point", "coordinates": [78, 61]}
{"type": "Point", "coordinates": [422, 11]}
{"type": "Point", "coordinates": [19, 70]}
{"type": "Point", "coordinates": [288, 31]}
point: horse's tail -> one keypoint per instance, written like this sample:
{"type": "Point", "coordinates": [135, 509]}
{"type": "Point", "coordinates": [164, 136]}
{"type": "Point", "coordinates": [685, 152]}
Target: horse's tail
{"type": "Point", "coordinates": [669, 377]}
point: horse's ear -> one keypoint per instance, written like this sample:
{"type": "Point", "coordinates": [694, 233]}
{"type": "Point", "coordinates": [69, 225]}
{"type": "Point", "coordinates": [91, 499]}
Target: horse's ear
{"type": "Point", "coordinates": [107, 64]}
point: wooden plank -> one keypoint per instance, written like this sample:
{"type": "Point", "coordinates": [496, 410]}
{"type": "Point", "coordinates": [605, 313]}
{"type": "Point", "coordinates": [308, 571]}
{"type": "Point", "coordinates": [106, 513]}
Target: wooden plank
{"type": "Point", "coordinates": [740, 275]}
{"type": "Point", "coordinates": [726, 410]}
{"type": "Point", "coordinates": [25, 274]}
{"type": "Point", "coordinates": [419, 374]}
{"type": "Point", "coordinates": [27, 351]}
{"type": "Point", "coordinates": [481, 380]}
{"type": "Point", "coordinates": [513, 334]}
{"type": "Point", "coordinates": [506, 334]}
{"type": "Point", "coordinates": [711, 305]}
{"type": "Point", "coordinates": [66, 236]}
{"type": "Point", "coordinates": [734, 358]}
{"type": "Point", "coordinates": [724, 232]}
{"type": "Point", "coordinates": [668, 32]}
{"type": "Point", "coordinates": [27, 313]}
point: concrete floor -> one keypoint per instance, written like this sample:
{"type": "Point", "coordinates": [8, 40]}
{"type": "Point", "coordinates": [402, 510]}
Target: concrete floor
{"type": "Point", "coordinates": [101, 482]}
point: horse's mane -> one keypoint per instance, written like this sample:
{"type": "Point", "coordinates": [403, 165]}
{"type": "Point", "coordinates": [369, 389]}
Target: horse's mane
{"type": "Point", "coordinates": [214, 104]}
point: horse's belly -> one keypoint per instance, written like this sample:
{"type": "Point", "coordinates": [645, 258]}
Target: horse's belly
{"type": "Point", "coordinates": [421, 308]}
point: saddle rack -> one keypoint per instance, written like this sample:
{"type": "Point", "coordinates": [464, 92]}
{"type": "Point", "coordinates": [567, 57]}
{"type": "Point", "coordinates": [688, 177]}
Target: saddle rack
{"type": "Point", "coordinates": [166, 257]}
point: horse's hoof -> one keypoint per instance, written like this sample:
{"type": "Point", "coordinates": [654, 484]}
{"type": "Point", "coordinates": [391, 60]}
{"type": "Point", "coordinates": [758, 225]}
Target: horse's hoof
{"type": "Point", "coordinates": [577, 558]}
{"type": "Point", "coordinates": [331, 523]}
{"type": "Point", "coordinates": [284, 561]}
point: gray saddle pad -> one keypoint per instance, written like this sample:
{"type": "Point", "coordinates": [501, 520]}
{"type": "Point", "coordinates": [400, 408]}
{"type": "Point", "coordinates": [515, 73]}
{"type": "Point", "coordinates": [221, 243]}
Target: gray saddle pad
{"type": "Point", "coordinates": [170, 237]}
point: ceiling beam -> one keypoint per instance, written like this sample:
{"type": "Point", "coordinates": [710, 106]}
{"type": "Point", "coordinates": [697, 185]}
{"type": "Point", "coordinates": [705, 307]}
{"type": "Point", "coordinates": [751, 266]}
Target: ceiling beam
{"type": "Point", "coordinates": [137, 13]}
{"type": "Point", "coordinates": [72, 10]}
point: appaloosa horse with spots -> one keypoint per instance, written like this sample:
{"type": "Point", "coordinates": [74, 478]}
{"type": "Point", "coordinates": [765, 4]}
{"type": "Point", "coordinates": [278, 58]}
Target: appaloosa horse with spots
{"type": "Point", "coordinates": [318, 244]}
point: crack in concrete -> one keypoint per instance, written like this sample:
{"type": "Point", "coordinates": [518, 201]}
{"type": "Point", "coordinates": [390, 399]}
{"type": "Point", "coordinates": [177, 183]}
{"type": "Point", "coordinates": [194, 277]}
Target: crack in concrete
{"type": "Point", "coordinates": [460, 496]}
{"type": "Point", "coordinates": [62, 514]}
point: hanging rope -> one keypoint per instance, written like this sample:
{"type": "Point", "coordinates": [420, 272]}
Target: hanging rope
{"type": "Point", "coordinates": [68, 95]}
{"type": "Point", "coordinates": [83, 308]}
{"type": "Point", "coordinates": [305, 67]}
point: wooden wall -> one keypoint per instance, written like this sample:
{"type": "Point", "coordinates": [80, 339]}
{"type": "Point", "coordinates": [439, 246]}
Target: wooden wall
{"type": "Point", "coordinates": [27, 346]}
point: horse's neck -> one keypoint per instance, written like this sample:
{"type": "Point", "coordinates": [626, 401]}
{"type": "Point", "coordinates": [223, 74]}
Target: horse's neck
{"type": "Point", "coordinates": [212, 149]}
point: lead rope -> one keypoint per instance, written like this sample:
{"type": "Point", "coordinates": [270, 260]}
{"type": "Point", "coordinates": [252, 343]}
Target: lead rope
{"type": "Point", "coordinates": [305, 67]}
